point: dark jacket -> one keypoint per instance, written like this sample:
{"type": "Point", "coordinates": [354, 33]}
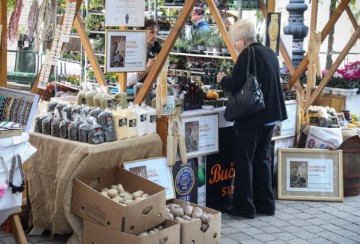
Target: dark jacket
{"type": "Point", "coordinates": [268, 75]}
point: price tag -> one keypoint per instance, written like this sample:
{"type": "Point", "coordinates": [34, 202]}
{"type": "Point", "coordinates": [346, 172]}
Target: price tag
{"type": "Point", "coordinates": [26, 43]}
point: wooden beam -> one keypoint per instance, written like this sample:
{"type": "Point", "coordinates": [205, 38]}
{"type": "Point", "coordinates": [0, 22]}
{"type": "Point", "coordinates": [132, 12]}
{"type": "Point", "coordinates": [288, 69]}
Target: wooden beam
{"type": "Point", "coordinates": [89, 50]}
{"type": "Point", "coordinates": [351, 17]}
{"type": "Point", "coordinates": [17, 229]}
{"type": "Point", "coordinates": [271, 5]}
{"type": "Point", "coordinates": [329, 25]}
{"type": "Point", "coordinates": [282, 49]}
{"type": "Point", "coordinates": [219, 22]}
{"type": "Point", "coordinates": [3, 43]}
{"type": "Point", "coordinates": [35, 89]}
{"type": "Point", "coordinates": [122, 77]}
{"type": "Point", "coordinates": [314, 10]}
{"type": "Point", "coordinates": [333, 68]}
{"type": "Point", "coordinates": [165, 50]}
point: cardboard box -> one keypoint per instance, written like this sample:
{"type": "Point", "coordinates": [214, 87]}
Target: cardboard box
{"type": "Point", "coordinates": [191, 233]}
{"type": "Point", "coordinates": [94, 233]}
{"type": "Point", "coordinates": [89, 204]}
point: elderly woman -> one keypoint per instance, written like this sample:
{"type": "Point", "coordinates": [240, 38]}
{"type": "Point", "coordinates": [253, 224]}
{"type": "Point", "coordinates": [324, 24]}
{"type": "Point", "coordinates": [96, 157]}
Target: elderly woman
{"type": "Point", "coordinates": [253, 181]}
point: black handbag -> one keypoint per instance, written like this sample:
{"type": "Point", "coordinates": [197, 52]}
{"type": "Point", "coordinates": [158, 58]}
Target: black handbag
{"type": "Point", "coordinates": [250, 98]}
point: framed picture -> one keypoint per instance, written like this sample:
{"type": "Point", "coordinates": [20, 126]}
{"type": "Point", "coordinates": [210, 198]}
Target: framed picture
{"type": "Point", "coordinates": [201, 134]}
{"type": "Point", "coordinates": [273, 31]}
{"type": "Point", "coordinates": [341, 120]}
{"type": "Point", "coordinates": [125, 50]}
{"type": "Point", "coordinates": [125, 13]}
{"type": "Point", "coordinates": [310, 174]}
{"type": "Point", "coordinates": [155, 170]}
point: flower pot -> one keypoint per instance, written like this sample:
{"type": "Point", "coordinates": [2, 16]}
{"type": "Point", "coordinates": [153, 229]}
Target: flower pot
{"type": "Point", "coordinates": [180, 49]}
{"type": "Point", "coordinates": [191, 48]}
{"type": "Point", "coordinates": [201, 48]}
{"type": "Point", "coordinates": [209, 49]}
{"type": "Point", "coordinates": [353, 91]}
{"type": "Point", "coordinates": [345, 92]}
{"type": "Point", "coordinates": [335, 91]}
{"type": "Point", "coordinates": [216, 50]}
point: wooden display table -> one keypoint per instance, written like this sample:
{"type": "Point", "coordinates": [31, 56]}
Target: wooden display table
{"type": "Point", "coordinates": [50, 173]}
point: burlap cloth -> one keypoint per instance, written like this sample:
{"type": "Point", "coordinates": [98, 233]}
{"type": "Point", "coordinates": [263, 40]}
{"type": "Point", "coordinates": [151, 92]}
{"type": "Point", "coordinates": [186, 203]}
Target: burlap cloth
{"type": "Point", "coordinates": [51, 170]}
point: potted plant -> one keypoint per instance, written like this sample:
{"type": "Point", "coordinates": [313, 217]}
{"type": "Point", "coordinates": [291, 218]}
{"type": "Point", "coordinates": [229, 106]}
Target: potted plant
{"type": "Point", "coordinates": [180, 45]}
{"type": "Point", "coordinates": [215, 43]}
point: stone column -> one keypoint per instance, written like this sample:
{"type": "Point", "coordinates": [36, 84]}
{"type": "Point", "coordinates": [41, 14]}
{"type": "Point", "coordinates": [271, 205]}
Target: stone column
{"type": "Point", "coordinates": [296, 28]}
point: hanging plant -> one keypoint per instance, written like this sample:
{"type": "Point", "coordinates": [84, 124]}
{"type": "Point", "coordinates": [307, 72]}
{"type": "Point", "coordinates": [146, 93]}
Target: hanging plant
{"type": "Point", "coordinates": [11, 5]}
{"type": "Point", "coordinates": [14, 22]}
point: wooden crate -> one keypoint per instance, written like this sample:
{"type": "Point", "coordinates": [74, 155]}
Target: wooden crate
{"type": "Point", "coordinates": [334, 101]}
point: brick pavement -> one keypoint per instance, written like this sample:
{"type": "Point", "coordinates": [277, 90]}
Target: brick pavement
{"type": "Point", "coordinates": [295, 222]}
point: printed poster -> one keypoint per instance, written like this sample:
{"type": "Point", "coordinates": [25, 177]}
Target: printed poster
{"type": "Point", "coordinates": [125, 13]}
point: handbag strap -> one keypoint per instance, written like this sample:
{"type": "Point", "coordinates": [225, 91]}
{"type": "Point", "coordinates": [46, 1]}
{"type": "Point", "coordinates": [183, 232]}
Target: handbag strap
{"type": "Point", "coordinates": [251, 53]}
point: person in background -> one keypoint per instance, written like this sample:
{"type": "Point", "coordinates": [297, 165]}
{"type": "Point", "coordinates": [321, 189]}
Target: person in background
{"type": "Point", "coordinates": [153, 48]}
{"type": "Point", "coordinates": [253, 181]}
{"type": "Point", "coordinates": [229, 21]}
{"type": "Point", "coordinates": [199, 22]}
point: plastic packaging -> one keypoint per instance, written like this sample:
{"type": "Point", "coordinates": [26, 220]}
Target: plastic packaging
{"type": "Point", "coordinates": [81, 97]}
{"type": "Point", "coordinates": [108, 101]}
{"type": "Point", "coordinates": [95, 135]}
{"type": "Point", "coordinates": [55, 124]}
{"type": "Point", "coordinates": [141, 117]}
{"type": "Point", "coordinates": [121, 124]}
{"type": "Point", "coordinates": [106, 120]}
{"type": "Point", "coordinates": [89, 97]}
{"type": "Point", "coordinates": [73, 129]}
{"type": "Point", "coordinates": [151, 120]}
{"type": "Point", "coordinates": [75, 110]}
{"type": "Point", "coordinates": [66, 112]}
{"type": "Point", "coordinates": [131, 115]}
{"type": "Point", "coordinates": [95, 112]}
{"type": "Point", "coordinates": [51, 106]}
{"type": "Point", "coordinates": [46, 125]}
{"type": "Point", "coordinates": [121, 99]}
{"type": "Point", "coordinates": [38, 121]}
{"type": "Point", "coordinates": [83, 132]}
{"type": "Point", "coordinates": [85, 111]}
{"type": "Point", "coordinates": [59, 107]}
{"type": "Point", "coordinates": [64, 124]}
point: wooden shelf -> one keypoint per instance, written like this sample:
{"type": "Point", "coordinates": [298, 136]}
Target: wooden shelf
{"type": "Point", "coordinates": [200, 55]}
{"type": "Point", "coordinates": [97, 32]}
{"type": "Point", "coordinates": [70, 61]}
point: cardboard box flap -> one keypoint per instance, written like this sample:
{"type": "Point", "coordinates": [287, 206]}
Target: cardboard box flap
{"type": "Point", "coordinates": [88, 203]}
{"type": "Point", "coordinates": [94, 233]}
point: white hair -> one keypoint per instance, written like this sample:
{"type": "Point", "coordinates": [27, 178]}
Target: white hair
{"type": "Point", "coordinates": [243, 29]}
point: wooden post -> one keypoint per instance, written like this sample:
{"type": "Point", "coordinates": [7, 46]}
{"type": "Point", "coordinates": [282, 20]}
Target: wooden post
{"type": "Point", "coordinates": [271, 5]}
{"type": "Point", "coordinates": [329, 25]}
{"type": "Point", "coordinates": [122, 77]}
{"type": "Point", "coordinates": [165, 50]}
{"type": "Point", "coordinates": [333, 68]}
{"type": "Point", "coordinates": [3, 43]}
{"type": "Point", "coordinates": [89, 50]}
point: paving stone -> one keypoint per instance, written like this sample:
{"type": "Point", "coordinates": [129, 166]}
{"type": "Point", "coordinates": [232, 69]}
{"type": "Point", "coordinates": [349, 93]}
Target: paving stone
{"type": "Point", "coordinates": [298, 241]}
{"type": "Point", "coordinates": [319, 240]}
{"type": "Point", "coordinates": [312, 228]}
{"type": "Point", "coordinates": [290, 210]}
{"type": "Point", "coordinates": [303, 216]}
{"type": "Point", "coordinates": [258, 223]}
{"type": "Point", "coordinates": [326, 216]}
{"type": "Point", "coordinates": [317, 221]}
{"type": "Point", "coordinates": [355, 220]}
{"type": "Point", "coordinates": [346, 208]}
{"type": "Point", "coordinates": [251, 231]}
{"type": "Point", "coordinates": [285, 236]}
{"type": "Point", "coordinates": [299, 222]}
{"type": "Point", "coordinates": [267, 218]}
{"type": "Point", "coordinates": [328, 209]}
{"type": "Point", "coordinates": [290, 228]}
{"type": "Point", "coordinates": [354, 204]}
{"type": "Point", "coordinates": [326, 234]}
{"type": "Point", "coordinates": [228, 230]}
{"type": "Point", "coordinates": [285, 216]}
{"type": "Point", "coordinates": [279, 223]}
{"type": "Point", "coordinates": [8, 240]}
{"type": "Point", "coordinates": [240, 236]}
{"type": "Point", "coordinates": [355, 237]}
{"type": "Point", "coordinates": [345, 233]}
{"type": "Point", "coordinates": [265, 237]}
{"type": "Point", "coordinates": [305, 235]}
{"type": "Point", "coordinates": [238, 225]}
{"type": "Point", "coordinates": [342, 215]}
{"type": "Point", "coordinates": [330, 227]}
{"type": "Point", "coordinates": [342, 240]}
{"type": "Point", "coordinates": [271, 229]}
{"type": "Point", "coordinates": [252, 241]}
{"type": "Point", "coordinates": [313, 211]}
{"type": "Point", "coordinates": [352, 227]}
{"type": "Point", "coordinates": [228, 240]}
{"type": "Point", "coordinates": [276, 242]}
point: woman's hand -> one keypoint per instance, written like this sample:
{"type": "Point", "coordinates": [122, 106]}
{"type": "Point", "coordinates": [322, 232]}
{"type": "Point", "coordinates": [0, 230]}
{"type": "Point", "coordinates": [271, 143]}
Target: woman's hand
{"type": "Point", "coordinates": [150, 63]}
{"type": "Point", "coordinates": [219, 76]}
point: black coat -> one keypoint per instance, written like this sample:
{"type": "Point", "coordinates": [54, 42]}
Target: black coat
{"type": "Point", "coordinates": [268, 75]}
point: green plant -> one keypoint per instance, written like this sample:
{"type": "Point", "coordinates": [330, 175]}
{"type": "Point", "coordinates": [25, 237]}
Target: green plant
{"type": "Point", "coordinates": [214, 41]}
{"type": "Point", "coordinates": [96, 4]}
{"type": "Point", "coordinates": [181, 43]}
{"type": "Point", "coordinates": [92, 22]}
{"type": "Point", "coordinates": [99, 43]}
{"type": "Point", "coordinates": [200, 39]}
